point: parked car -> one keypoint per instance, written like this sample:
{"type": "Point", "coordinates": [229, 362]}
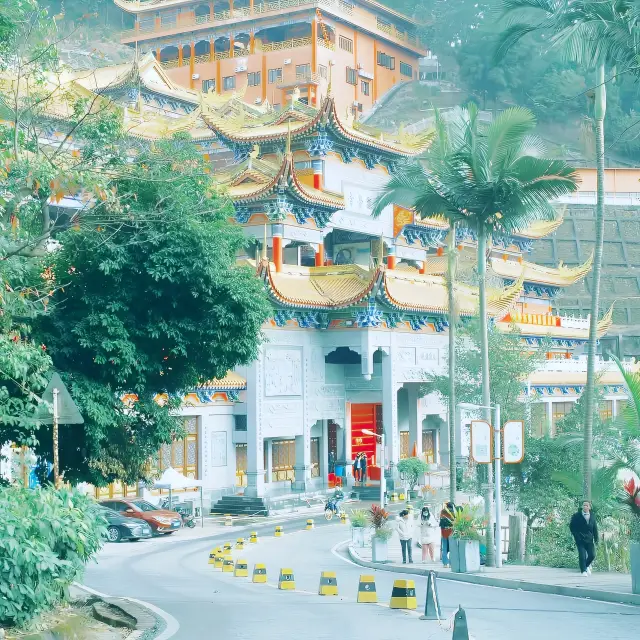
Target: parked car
{"type": "Point", "coordinates": [122, 528]}
{"type": "Point", "coordinates": [160, 520]}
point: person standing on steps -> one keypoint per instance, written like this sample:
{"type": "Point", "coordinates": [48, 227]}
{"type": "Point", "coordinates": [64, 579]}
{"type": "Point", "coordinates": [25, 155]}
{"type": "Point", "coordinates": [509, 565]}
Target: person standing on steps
{"type": "Point", "coordinates": [446, 529]}
{"type": "Point", "coordinates": [405, 531]}
{"type": "Point", "coordinates": [584, 529]}
{"type": "Point", "coordinates": [356, 468]}
{"type": "Point", "coordinates": [363, 468]}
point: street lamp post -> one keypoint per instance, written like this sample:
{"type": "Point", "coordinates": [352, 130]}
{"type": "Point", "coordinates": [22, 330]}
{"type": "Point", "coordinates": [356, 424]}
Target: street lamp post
{"type": "Point", "coordinates": [380, 462]}
{"type": "Point", "coordinates": [497, 476]}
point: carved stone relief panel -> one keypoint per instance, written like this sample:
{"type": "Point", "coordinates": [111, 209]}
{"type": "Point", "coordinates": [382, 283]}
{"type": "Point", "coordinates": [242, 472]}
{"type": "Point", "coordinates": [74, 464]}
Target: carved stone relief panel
{"type": "Point", "coordinates": [428, 357]}
{"type": "Point", "coordinates": [282, 372]}
{"type": "Point", "coordinates": [405, 356]}
{"type": "Point", "coordinates": [316, 368]}
{"type": "Point", "coordinates": [282, 418]}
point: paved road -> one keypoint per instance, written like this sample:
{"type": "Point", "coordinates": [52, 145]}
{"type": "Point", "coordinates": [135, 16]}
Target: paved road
{"type": "Point", "coordinates": [207, 604]}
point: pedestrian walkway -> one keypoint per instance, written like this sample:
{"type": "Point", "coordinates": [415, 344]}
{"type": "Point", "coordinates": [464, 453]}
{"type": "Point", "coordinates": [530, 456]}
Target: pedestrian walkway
{"type": "Point", "coordinates": [601, 585]}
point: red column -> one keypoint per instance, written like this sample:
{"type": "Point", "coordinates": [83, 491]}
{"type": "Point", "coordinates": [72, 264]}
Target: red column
{"type": "Point", "coordinates": [423, 267]}
{"type": "Point", "coordinates": [317, 167]}
{"type": "Point", "coordinates": [277, 252]}
{"type": "Point", "coordinates": [180, 55]}
{"type": "Point", "coordinates": [320, 256]}
{"type": "Point", "coordinates": [391, 258]}
{"type": "Point", "coordinates": [192, 63]}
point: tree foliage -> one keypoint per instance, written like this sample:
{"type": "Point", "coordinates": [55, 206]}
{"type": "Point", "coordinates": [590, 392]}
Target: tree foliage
{"type": "Point", "coordinates": [412, 468]}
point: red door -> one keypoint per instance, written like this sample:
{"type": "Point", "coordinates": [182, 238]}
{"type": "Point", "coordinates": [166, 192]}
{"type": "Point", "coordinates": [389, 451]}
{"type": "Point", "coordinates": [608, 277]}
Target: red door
{"type": "Point", "coordinates": [363, 417]}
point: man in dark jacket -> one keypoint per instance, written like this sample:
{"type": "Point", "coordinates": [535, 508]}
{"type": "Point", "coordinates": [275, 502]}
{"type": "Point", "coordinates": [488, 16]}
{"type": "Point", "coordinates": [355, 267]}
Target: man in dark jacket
{"type": "Point", "coordinates": [584, 530]}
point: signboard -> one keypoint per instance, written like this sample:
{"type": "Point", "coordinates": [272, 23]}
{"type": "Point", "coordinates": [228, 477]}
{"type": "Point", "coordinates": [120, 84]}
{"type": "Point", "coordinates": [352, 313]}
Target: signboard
{"type": "Point", "coordinates": [513, 442]}
{"type": "Point", "coordinates": [481, 441]}
{"type": "Point", "coordinates": [401, 217]}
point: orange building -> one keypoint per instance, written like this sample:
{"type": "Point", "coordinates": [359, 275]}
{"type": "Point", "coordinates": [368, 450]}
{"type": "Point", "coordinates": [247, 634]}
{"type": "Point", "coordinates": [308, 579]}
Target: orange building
{"type": "Point", "coordinates": [268, 50]}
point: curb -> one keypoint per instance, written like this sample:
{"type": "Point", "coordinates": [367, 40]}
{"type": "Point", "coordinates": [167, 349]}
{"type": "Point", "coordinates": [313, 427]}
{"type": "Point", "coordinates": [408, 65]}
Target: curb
{"type": "Point", "coordinates": [503, 583]}
{"type": "Point", "coordinates": [147, 620]}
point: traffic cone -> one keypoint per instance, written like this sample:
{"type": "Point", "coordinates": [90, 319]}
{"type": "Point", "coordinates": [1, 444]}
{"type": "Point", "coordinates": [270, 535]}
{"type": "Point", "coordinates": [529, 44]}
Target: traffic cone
{"type": "Point", "coordinates": [432, 602]}
{"type": "Point", "coordinates": [460, 628]}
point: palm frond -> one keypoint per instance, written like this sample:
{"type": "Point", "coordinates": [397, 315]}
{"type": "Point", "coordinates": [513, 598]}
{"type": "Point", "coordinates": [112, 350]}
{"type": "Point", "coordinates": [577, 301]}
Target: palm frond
{"type": "Point", "coordinates": [506, 133]}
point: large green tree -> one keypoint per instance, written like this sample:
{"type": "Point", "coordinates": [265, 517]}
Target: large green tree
{"type": "Point", "coordinates": [589, 33]}
{"type": "Point", "coordinates": [493, 181]}
{"type": "Point", "coordinates": [151, 303]}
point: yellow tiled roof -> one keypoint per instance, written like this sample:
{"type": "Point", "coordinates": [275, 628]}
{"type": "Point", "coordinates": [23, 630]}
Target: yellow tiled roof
{"type": "Point", "coordinates": [231, 381]}
{"type": "Point", "coordinates": [541, 228]}
{"type": "Point", "coordinates": [562, 276]}
{"type": "Point", "coordinates": [326, 287]}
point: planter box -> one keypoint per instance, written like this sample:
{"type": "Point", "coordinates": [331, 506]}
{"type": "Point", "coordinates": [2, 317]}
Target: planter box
{"type": "Point", "coordinates": [464, 555]}
{"type": "Point", "coordinates": [380, 550]}
{"type": "Point", "coordinates": [635, 567]}
{"type": "Point", "coordinates": [357, 536]}
{"type": "Point", "coordinates": [413, 495]}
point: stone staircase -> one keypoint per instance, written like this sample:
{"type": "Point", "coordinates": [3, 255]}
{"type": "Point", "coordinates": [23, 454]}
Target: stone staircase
{"type": "Point", "coordinates": [240, 506]}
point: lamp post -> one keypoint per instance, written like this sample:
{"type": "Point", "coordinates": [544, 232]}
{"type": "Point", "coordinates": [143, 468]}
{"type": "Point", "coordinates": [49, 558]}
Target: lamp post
{"type": "Point", "coordinates": [497, 476]}
{"type": "Point", "coordinates": [380, 462]}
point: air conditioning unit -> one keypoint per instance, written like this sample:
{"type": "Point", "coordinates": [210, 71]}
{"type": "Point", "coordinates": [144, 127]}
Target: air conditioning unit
{"type": "Point", "coordinates": [365, 74]}
{"type": "Point", "coordinates": [195, 76]}
{"type": "Point", "coordinates": [287, 61]}
{"type": "Point", "coordinates": [241, 67]}
{"type": "Point", "coordinates": [257, 101]}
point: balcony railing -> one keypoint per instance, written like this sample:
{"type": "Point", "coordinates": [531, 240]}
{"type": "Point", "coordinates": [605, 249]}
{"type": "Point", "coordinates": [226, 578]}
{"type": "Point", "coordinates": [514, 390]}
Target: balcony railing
{"type": "Point", "coordinates": [286, 44]}
{"type": "Point", "coordinates": [265, 8]}
{"type": "Point", "coordinates": [201, 59]}
{"type": "Point", "coordinates": [301, 78]}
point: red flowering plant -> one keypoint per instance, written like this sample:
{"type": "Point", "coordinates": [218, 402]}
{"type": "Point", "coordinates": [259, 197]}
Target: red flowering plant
{"type": "Point", "coordinates": [378, 519]}
{"type": "Point", "coordinates": [631, 498]}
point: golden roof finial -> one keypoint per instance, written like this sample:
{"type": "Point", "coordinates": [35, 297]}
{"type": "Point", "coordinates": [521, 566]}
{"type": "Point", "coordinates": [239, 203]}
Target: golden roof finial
{"type": "Point", "coordinates": [264, 244]}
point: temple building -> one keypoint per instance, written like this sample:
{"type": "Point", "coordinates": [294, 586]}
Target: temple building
{"type": "Point", "coordinates": [270, 49]}
{"type": "Point", "coordinates": [360, 307]}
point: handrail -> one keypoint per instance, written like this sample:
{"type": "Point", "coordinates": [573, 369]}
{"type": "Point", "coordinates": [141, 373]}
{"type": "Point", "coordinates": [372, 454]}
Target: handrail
{"type": "Point", "coordinates": [286, 44]}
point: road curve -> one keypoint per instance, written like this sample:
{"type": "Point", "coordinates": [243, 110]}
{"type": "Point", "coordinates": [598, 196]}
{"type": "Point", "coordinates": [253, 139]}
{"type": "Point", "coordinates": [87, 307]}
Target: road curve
{"type": "Point", "coordinates": [209, 604]}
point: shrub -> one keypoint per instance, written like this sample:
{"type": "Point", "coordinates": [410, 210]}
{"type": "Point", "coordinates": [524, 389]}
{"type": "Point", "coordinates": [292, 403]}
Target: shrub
{"type": "Point", "coordinates": [377, 517]}
{"type": "Point", "coordinates": [467, 523]}
{"type": "Point", "coordinates": [383, 533]}
{"type": "Point", "coordinates": [46, 538]}
{"type": "Point", "coordinates": [552, 545]}
{"type": "Point", "coordinates": [359, 518]}
{"type": "Point", "coordinates": [412, 468]}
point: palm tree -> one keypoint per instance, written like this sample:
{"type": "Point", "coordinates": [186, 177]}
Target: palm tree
{"type": "Point", "coordinates": [594, 34]}
{"type": "Point", "coordinates": [492, 182]}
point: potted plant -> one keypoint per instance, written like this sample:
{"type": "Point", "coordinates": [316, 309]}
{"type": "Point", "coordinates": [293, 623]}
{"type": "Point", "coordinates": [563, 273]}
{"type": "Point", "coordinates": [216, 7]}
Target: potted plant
{"type": "Point", "coordinates": [465, 540]}
{"type": "Point", "coordinates": [382, 532]}
{"type": "Point", "coordinates": [631, 499]}
{"type": "Point", "coordinates": [359, 520]}
{"type": "Point", "coordinates": [412, 469]}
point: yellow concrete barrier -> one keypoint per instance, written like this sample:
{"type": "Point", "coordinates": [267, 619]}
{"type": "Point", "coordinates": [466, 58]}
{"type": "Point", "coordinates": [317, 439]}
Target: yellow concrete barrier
{"type": "Point", "coordinates": [227, 564]}
{"type": "Point", "coordinates": [253, 537]}
{"type": "Point", "coordinates": [403, 595]}
{"type": "Point", "coordinates": [309, 524]}
{"type": "Point", "coordinates": [279, 531]}
{"type": "Point", "coordinates": [226, 548]}
{"type": "Point", "coordinates": [393, 497]}
{"type": "Point", "coordinates": [402, 497]}
{"type": "Point", "coordinates": [260, 573]}
{"type": "Point", "coordinates": [367, 589]}
{"type": "Point", "coordinates": [286, 582]}
{"type": "Point", "coordinates": [241, 570]}
{"type": "Point", "coordinates": [328, 584]}
{"type": "Point", "coordinates": [240, 543]}
{"type": "Point", "coordinates": [343, 518]}
{"type": "Point", "coordinates": [219, 561]}
{"type": "Point", "coordinates": [212, 556]}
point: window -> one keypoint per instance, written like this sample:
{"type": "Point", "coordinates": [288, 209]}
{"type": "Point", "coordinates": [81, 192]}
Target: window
{"type": "Point", "coordinates": [254, 78]}
{"type": "Point", "coordinates": [182, 455]}
{"type": "Point", "coordinates": [558, 411]}
{"type": "Point", "coordinates": [322, 71]}
{"type": "Point", "coordinates": [366, 89]}
{"type": "Point", "coordinates": [315, 457]}
{"type": "Point", "coordinates": [606, 410]}
{"type": "Point", "coordinates": [404, 445]}
{"type": "Point", "coordinates": [388, 62]}
{"type": "Point", "coordinates": [345, 43]}
{"type": "Point", "coordinates": [229, 83]}
{"type": "Point", "coordinates": [241, 465]}
{"type": "Point", "coordinates": [208, 85]}
{"type": "Point", "coordinates": [303, 70]}
{"type": "Point", "coordinates": [406, 70]}
{"type": "Point", "coordinates": [352, 75]}
{"type": "Point", "coordinates": [283, 455]}
{"type": "Point", "coordinates": [274, 75]}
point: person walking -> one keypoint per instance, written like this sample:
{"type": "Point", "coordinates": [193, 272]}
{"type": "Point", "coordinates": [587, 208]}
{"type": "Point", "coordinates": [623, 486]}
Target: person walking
{"type": "Point", "coordinates": [405, 531]}
{"type": "Point", "coordinates": [446, 529]}
{"type": "Point", "coordinates": [584, 529]}
{"type": "Point", "coordinates": [363, 468]}
{"type": "Point", "coordinates": [428, 533]}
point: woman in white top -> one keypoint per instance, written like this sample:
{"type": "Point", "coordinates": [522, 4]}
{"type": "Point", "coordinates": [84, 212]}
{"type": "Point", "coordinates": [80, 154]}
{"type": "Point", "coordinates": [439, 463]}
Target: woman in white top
{"type": "Point", "coordinates": [405, 532]}
{"type": "Point", "coordinates": [428, 533]}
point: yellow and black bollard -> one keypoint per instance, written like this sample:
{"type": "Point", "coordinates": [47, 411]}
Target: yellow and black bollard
{"type": "Point", "coordinates": [227, 564]}
{"type": "Point", "coordinates": [403, 595]}
{"type": "Point", "coordinates": [253, 537]}
{"type": "Point", "coordinates": [219, 561]}
{"type": "Point", "coordinates": [367, 589]}
{"type": "Point", "coordinates": [343, 518]}
{"type": "Point", "coordinates": [227, 547]}
{"type": "Point", "coordinates": [328, 584]}
{"type": "Point", "coordinates": [309, 524]}
{"type": "Point", "coordinates": [240, 543]}
{"type": "Point", "coordinates": [260, 573]}
{"type": "Point", "coordinates": [241, 570]}
{"type": "Point", "coordinates": [212, 556]}
{"type": "Point", "coordinates": [279, 531]}
{"type": "Point", "coordinates": [393, 497]}
{"type": "Point", "coordinates": [402, 497]}
{"type": "Point", "coordinates": [286, 582]}
{"type": "Point", "coordinates": [228, 520]}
